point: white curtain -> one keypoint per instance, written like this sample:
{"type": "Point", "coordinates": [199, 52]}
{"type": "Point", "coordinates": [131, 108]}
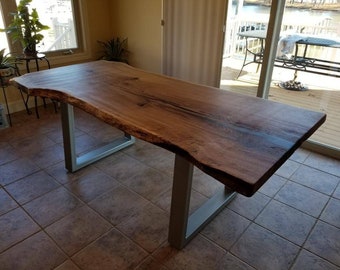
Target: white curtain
{"type": "Point", "coordinates": [193, 39]}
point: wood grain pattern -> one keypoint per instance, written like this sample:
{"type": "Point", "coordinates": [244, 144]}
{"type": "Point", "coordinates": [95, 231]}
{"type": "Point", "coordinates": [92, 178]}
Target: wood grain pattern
{"type": "Point", "coordinates": [239, 140]}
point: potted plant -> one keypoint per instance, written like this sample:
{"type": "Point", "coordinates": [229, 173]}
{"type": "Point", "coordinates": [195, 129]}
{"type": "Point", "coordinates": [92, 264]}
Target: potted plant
{"type": "Point", "coordinates": [26, 27]}
{"type": "Point", "coordinates": [7, 66]}
{"type": "Point", "coordinates": [115, 49]}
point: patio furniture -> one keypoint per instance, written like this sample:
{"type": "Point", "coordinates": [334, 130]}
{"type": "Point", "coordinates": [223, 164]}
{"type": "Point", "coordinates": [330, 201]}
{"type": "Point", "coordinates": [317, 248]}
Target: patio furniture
{"type": "Point", "coordinates": [299, 60]}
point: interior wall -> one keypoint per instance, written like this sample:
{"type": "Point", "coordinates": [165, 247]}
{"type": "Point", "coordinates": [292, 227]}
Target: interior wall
{"type": "Point", "coordinates": [140, 22]}
{"type": "Point", "coordinates": [99, 24]}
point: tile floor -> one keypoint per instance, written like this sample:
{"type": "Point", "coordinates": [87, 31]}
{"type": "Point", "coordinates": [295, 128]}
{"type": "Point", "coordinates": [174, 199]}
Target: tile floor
{"type": "Point", "coordinates": [114, 214]}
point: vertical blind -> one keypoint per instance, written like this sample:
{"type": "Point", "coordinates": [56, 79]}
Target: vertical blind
{"type": "Point", "coordinates": [193, 39]}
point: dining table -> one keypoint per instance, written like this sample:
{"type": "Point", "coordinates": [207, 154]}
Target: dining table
{"type": "Point", "coordinates": [239, 140]}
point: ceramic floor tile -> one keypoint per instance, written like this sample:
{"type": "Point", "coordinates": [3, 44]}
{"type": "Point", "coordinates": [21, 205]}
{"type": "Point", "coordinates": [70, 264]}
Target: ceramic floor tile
{"type": "Point", "coordinates": [288, 168]}
{"type": "Point", "coordinates": [87, 122]}
{"type": "Point", "coordinates": [323, 163]}
{"type": "Point", "coordinates": [15, 226]}
{"type": "Point", "coordinates": [145, 151]}
{"type": "Point", "coordinates": [149, 182]}
{"type": "Point", "coordinates": [76, 230]}
{"type": "Point", "coordinates": [52, 206]}
{"type": "Point", "coordinates": [164, 200]}
{"type": "Point", "coordinates": [336, 193]}
{"type": "Point", "coordinates": [68, 265]}
{"type": "Point", "coordinates": [6, 202]}
{"type": "Point", "coordinates": [92, 184]}
{"type": "Point", "coordinates": [315, 179]}
{"type": "Point", "coordinates": [164, 165]}
{"type": "Point", "coordinates": [286, 221]}
{"type": "Point", "coordinates": [105, 163]}
{"type": "Point", "coordinates": [60, 173]}
{"type": "Point", "coordinates": [300, 155]}
{"type": "Point", "coordinates": [32, 144]}
{"type": "Point", "coordinates": [48, 121]}
{"type": "Point", "coordinates": [76, 215]}
{"type": "Point", "coordinates": [226, 228]}
{"type": "Point", "coordinates": [196, 201]}
{"type": "Point", "coordinates": [206, 185]}
{"type": "Point", "coordinates": [249, 207]}
{"type": "Point", "coordinates": [18, 132]}
{"type": "Point", "coordinates": [47, 156]}
{"type": "Point", "coordinates": [37, 252]}
{"type": "Point", "coordinates": [200, 253]}
{"type": "Point", "coordinates": [7, 153]}
{"type": "Point", "coordinates": [154, 156]}
{"type": "Point", "coordinates": [230, 262]}
{"type": "Point", "coordinates": [302, 198]}
{"type": "Point", "coordinates": [105, 133]}
{"type": "Point", "coordinates": [6, 134]}
{"type": "Point", "coordinates": [148, 227]}
{"type": "Point", "coordinates": [118, 204]}
{"type": "Point", "coordinates": [273, 185]}
{"type": "Point", "coordinates": [307, 260]}
{"type": "Point", "coordinates": [331, 213]}
{"type": "Point", "coordinates": [111, 251]}
{"type": "Point", "coordinates": [31, 187]}
{"type": "Point", "coordinates": [263, 250]}
{"type": "Point", "coordinates": [122, 168]}
{"type": "Point", "coordinates": [56, 136]}
{"type": "Point", "coordinates": [150, 264]}
{"type": "Point", "coordinates": [84, 143]}
{"type": "Point", "coordinates": [325, 242]}
{"type": "Point", "coordinates": [10, 172]}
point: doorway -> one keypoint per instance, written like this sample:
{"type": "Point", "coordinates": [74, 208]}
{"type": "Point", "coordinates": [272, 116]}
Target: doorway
{"type": "Point", "coordinates": [241, 73]}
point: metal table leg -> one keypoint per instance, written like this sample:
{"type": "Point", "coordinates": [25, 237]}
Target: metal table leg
{"type": "Point", "coordinates": [7, 107]}
{"type": "Point", "coordinates": [183, 227]}
{"type": "Point", "coordinates": [25, 100]}
{"type": "Point", "coordinates": [74, 162]}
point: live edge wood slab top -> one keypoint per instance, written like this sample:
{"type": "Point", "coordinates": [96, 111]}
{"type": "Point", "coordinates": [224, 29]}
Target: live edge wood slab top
{"type": "Point", "coordinates": [239, 140]}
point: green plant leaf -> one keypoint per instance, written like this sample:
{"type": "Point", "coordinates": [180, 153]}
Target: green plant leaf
{"type": "Point", "coordinates": [25, 26]}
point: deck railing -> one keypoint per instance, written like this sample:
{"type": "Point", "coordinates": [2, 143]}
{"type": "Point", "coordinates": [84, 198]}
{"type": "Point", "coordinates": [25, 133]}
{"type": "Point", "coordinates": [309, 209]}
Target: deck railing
{"type": "Point", "coordinates": [235, 45]}
{"type": "Point", "coordinates": [61, 37]}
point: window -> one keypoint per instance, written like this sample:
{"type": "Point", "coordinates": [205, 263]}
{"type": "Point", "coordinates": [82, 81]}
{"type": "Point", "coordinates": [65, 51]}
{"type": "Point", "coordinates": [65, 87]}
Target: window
{"type": "Point", "coordinates": [3, 39]}
{"type": "Point", "coordinates": [62, 16]}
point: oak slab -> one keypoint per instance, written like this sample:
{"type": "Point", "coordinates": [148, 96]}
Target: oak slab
{"type": "Point", "coordinates": [239, 140]}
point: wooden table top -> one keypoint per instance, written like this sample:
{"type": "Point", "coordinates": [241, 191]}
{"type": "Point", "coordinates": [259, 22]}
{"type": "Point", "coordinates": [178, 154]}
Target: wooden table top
{"type": "Point", "coordinates": [239, 140]}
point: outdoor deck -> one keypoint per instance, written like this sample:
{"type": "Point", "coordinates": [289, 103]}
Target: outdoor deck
{"type": "Point", "coordinates": [323, 94]}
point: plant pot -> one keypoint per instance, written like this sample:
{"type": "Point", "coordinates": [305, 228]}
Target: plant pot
{"type": "Point", "coordinates": [30, 50]}
{"type": "Point", "coordinates": [5, 75]}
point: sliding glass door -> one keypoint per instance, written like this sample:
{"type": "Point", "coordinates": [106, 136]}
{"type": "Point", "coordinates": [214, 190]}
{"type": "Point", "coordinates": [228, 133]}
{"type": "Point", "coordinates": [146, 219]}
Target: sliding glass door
{"type": "Point", "coordinates": [301, 69]}
{"type": "Point", "coordinates": [309, 50]}
{"type": "Point", "coordinates": [254, 48]}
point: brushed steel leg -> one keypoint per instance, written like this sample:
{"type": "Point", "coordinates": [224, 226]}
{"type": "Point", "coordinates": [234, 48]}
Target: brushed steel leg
{"type": "Point", "coordinates": [74, 162]}
{"type": "Point", "coordinates": [183, 227]}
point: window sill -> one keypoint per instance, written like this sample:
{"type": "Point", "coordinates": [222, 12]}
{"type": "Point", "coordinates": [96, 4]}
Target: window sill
{"type": "Point", "coordinates": [55, 61]}
{"type": "Point", "coordinates": [68, 59]}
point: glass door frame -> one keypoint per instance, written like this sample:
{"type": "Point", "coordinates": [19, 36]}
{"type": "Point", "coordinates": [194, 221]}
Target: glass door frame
{"type": "Point", "coordinates": [272, 38]}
